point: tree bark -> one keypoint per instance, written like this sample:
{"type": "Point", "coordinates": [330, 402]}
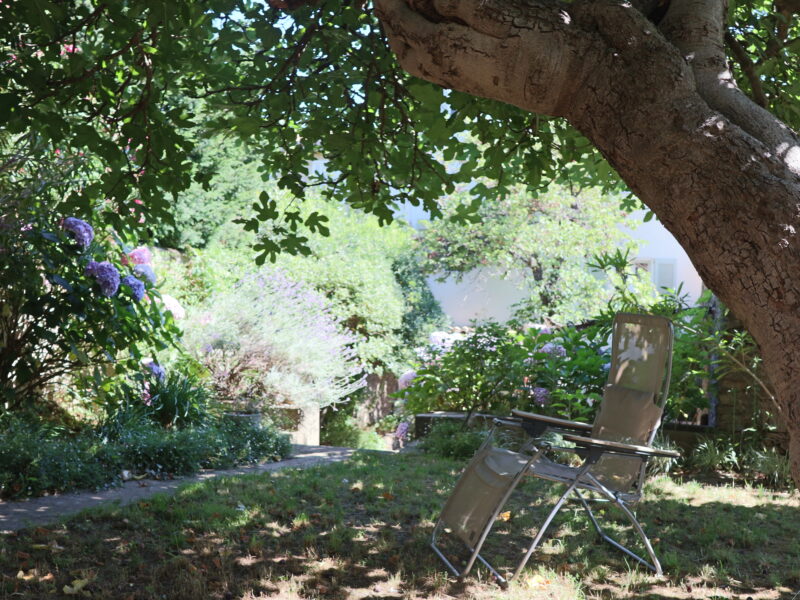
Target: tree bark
{"type": "Point", "coordinates": [720, 172]}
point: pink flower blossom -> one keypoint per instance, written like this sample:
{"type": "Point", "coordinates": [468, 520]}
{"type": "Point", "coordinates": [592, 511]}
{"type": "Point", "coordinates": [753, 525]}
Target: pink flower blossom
{"type": "Point", "coordinates": [140, 256]}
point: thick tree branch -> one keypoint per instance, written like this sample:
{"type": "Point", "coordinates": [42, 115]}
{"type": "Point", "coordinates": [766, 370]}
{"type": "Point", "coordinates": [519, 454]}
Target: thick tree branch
{"type": "Point", "coordinates": [697, 29]}
{"type": "Point", "coordinates": [721, 173]}
{"type": "Point", "coordinates": [459, 45]}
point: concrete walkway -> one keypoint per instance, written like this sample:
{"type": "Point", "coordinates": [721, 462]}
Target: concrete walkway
{"type": "Point", "coordinates": [49, 509]}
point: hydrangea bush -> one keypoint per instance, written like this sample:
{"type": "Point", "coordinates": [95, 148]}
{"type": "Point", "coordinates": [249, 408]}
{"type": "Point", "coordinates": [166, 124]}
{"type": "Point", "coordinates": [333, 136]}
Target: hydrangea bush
{"type": "Point", "coordinates": [497, 368]}
{"type": "Point", "coordinates": [272, 341]}
{"type": "Point", "coordinates": [68, 304]}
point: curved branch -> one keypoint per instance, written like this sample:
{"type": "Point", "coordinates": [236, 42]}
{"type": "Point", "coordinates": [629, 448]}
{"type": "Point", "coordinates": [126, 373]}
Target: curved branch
{"type": "Point", "coordinates": [748, 68]}
{"type": "Point", "coordinates": [697, 29]}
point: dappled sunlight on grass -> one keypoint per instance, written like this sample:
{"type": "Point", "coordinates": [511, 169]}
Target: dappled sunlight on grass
{"type": "Point", "coordinates": [361, 530]}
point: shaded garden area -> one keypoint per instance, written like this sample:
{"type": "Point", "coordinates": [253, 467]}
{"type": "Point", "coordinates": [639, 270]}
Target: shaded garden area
{"type": "Point", "coordinates": [207, 250]}
{"type": "Point", "coordinates": [361, 530]}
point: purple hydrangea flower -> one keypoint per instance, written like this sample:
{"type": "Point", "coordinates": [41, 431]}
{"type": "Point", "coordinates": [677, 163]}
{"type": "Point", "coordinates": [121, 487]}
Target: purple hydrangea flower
{"type": "Point", "coordinates": [106, 275]}
{"type": "Point", "coordinates": [137, 287]}
{"type": "Point", "coordinates": [146, 272]}
{"type": "Point", "coordinates": [402, 431]}
{"type": "Point", "coordinates": [406, 379]}
{"type": "Point", "coordinates": [541, 396]}
{"type": "Point", "coordinates": [555, 349]}
{"type": "Point", "coordinates": [156, 369]}
{"type": "Point", "coordinates": [81, 231]}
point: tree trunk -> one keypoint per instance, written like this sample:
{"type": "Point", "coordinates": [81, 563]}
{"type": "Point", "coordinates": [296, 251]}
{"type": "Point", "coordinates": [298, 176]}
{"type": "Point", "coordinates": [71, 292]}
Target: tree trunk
{"type": "Point", "coordinates": [721, 174]}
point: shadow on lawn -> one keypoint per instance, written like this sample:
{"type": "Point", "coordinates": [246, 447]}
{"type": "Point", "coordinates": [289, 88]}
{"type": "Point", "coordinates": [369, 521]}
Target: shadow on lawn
{"type": "Point", "coordinates": [361, 530]}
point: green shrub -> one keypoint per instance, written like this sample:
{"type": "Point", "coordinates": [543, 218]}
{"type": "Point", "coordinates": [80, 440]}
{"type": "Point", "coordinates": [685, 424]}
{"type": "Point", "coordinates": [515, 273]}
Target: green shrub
{"type": "Point", "coordinates": [164, 452]}
{"type": "Point", "coordinates": [746, 455]}
{"type": "Point", "coordinates": [340, 428]}
{"type": "Point", "coordinates": [243, 442]}
{"type": "Point", "coordinates": [482, 371]}
{"type": "Point", "coordinates": [35, 460]}
{"type": "Point", "coordinates": [449, 439]}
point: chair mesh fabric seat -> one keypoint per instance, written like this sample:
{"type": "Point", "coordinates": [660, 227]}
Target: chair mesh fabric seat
{"type": "Point", "coordinates": [468, 513]}
{"type": "Point", "coordinates": [628, 416]}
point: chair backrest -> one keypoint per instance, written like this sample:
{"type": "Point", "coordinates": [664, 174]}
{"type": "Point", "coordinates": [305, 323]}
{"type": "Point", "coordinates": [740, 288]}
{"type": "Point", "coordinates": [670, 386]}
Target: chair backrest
{"type": "Point", "coordinates": [635, 394]}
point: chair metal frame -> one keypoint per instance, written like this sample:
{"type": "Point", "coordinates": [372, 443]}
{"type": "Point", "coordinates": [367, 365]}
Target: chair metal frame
{"type": "Point", "coordinates": [580, 478]}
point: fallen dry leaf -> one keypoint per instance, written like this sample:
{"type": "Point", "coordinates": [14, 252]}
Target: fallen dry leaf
{"type": "Point", "coordinates": [76, 587]}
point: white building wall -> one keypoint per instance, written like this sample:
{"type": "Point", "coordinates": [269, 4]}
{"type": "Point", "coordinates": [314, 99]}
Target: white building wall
{"type": "Point", "coordinates": [670, 265]}
{"type": "Point", "coordinates": [480, 295]}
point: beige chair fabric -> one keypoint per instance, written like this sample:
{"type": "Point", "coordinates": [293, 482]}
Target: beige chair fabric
{"type": "Point", "coordinates": [479, 492]}
{"type": "Point", "coordinates": [628, 416]}
{"type": "Point", "coordinates": [640, 344]}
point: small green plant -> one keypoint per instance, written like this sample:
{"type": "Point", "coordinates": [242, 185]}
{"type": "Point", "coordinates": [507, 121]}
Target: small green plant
{"type": "Point", "coordinates": [713, 454]}
{"type": "Point", "coordinates": [179, 400]}
{"type": "Point", "coordinates": [662, 465]}
{"type": "Point", "coordinates": [449, 439]}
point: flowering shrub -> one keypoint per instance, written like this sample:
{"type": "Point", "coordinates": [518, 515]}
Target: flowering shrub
{"type": "Point", "coordinates": [62, 305]}
{"type": "Point", "coordinates": [272, 341]}
{"type": "Point", "coordinates": [497, 368]}
{"type": "Point", "coordinates": [481, 371]}
{"type": "Point", "coordinates": [80, 230]}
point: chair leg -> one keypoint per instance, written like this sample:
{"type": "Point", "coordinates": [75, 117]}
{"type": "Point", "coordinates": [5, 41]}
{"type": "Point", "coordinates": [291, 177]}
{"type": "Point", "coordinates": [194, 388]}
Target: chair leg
{"type": "Point", "coordinates": [546, 524]}
{"type": "Point", "coordinates": [655, 565]}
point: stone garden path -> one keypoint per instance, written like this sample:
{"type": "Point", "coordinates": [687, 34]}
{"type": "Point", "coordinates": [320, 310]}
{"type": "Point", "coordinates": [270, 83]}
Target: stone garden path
{"type": "Point", "coordinates": [49, 509]}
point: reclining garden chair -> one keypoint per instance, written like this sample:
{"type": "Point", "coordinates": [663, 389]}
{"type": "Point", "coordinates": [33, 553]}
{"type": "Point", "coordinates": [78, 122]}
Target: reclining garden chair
{"type": "Point", "coordinates": [614, 450]}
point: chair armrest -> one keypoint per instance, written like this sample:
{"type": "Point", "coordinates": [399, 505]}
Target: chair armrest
{"type": "Point", "coordinates": [553, 421]}
{"type": "Point", "coordinates": [620, 447]}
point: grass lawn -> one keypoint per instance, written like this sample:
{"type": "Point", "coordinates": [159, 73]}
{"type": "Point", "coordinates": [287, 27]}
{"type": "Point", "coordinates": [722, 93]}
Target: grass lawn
{"type": "Point", "coordinates": [360, 530]}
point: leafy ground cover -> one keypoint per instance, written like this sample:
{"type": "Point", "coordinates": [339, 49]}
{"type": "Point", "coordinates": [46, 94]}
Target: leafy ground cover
{"type": "Point", "coordinates": [360, 530]}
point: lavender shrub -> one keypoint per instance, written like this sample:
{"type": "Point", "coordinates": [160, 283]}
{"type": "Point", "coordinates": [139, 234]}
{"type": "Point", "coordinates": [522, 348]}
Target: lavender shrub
{"type": "Point", "coordinates": [273, 341]}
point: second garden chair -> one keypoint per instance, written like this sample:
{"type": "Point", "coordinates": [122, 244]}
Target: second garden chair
{"type": "Point", "coordinates": [613, 451]}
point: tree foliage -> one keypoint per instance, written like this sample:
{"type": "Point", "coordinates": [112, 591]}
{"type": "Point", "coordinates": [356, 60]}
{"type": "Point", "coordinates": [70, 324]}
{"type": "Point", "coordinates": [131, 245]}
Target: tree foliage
{"type": "Point", "coordinates": [120, 81]}
{"type": "Point", "coordinates": [117, 81]}
{"type": "Point", "coordinates": [545, 242]}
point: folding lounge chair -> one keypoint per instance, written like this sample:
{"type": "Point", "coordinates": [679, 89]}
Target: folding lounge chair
{"type": "Point", "coordinates": [614, 450]}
